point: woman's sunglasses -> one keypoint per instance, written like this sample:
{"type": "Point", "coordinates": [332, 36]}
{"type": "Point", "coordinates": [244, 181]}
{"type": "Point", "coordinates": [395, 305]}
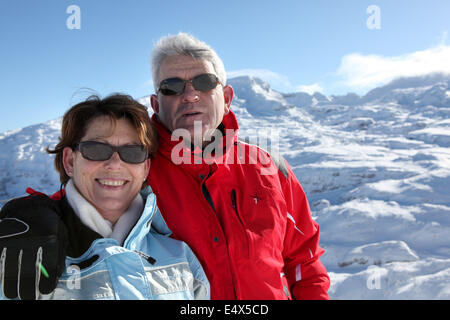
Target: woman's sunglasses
{"type": "Point", "coordinates": [176, 86]}
{"type": "Point", "coordinates": [99, 151]}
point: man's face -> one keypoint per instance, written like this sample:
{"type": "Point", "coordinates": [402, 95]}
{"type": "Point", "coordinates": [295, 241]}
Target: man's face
{"type": "Point", "coordinates": [182, 111]}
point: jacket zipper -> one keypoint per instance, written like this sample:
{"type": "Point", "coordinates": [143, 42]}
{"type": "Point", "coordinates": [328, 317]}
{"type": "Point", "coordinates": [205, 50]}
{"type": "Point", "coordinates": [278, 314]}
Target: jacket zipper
{"type": "Point", "coordinates": [208, 198]}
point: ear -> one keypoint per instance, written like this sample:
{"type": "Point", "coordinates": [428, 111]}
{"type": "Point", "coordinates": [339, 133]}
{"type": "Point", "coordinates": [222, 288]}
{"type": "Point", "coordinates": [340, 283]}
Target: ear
{"type": "Point", "coordinates": [68, 160]}
{"type": "Point", "coordinates": [228, 94]}
{"type": "Point", "coordinates": [148, 163]}
{"type": "Point", "coordinates": [154, 103]}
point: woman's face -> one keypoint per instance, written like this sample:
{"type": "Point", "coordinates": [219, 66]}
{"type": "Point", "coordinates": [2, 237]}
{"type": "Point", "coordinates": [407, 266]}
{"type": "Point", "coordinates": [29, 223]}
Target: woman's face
{"type": "Point", "coordinates": [110, 185]}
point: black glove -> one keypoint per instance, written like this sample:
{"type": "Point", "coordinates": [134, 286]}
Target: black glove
{"type": "Point", "coordinates": [33, 242]}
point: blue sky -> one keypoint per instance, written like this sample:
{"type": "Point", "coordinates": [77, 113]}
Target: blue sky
{"type": "Point", "coordinates": [294, 45]}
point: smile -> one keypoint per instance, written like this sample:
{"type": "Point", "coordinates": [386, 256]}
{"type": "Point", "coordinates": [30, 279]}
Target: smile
{"type": "Point", "coordinates": [112, 183]}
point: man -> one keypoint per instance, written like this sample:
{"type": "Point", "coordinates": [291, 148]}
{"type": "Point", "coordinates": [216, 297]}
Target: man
{"type": "Point", "coordinates": [249, 225]}
{"type": "Point", "coordinates": [239, 208]}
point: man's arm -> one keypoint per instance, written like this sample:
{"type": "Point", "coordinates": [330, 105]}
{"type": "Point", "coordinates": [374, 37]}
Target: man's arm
{"type": "Point", "coordinates": [306, 275]}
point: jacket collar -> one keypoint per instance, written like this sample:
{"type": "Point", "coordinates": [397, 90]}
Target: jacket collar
{"type": "Point", "coordinates": [150, 218]}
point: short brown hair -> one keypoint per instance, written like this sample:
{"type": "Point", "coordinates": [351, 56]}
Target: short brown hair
{"type": "Point", "coordinates": [117, 106]}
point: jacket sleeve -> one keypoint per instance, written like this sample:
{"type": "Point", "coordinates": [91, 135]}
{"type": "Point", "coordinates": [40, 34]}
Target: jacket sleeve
{"type": "Point", "coordinates": [305, 273]}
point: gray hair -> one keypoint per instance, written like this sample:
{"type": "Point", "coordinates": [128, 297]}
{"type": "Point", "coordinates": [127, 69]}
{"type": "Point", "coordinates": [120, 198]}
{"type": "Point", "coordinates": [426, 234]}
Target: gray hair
{"type": "Point", "coordinates": [187, 45]}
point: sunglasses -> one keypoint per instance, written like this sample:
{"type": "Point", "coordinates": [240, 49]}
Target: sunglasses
{"type": "Point", "coordinates": [99, 151]}
{"type": "Point", "coordinates": [175, 86]}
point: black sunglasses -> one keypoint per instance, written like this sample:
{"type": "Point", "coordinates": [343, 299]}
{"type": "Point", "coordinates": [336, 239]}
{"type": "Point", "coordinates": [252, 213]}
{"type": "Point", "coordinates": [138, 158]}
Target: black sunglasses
{"type": "Point", "coordinates": [176, 86]}
{"type": "Point", "coordinates": [99, 151]}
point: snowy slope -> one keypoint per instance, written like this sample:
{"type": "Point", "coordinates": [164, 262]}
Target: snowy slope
{"type": "Point", "coordinates": [24, 162]}
{"type": "Point", "coordinates": [376, 170]}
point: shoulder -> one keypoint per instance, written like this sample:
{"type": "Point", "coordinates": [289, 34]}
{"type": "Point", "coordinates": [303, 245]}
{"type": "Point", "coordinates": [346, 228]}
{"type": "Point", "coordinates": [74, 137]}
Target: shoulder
{"type": "Point", "coordinates": [276, 158]}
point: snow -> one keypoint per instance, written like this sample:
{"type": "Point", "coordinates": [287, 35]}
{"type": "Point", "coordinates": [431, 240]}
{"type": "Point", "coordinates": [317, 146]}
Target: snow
{"type": "Point", "coordinates": [375, 168]}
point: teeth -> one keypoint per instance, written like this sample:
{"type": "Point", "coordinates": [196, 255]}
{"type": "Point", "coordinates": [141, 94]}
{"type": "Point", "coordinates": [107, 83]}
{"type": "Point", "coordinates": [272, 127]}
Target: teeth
{"type": "Point", "coordinates": [114, 183]}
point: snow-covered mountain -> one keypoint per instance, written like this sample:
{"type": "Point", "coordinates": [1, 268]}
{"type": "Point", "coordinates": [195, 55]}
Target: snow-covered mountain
{"type": "Point", "coordinates": [376, 170]}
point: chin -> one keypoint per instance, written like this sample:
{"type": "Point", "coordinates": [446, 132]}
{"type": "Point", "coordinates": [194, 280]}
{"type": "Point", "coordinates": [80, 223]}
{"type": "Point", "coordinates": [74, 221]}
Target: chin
{"type": "Point", "coordinates": [111, 205]}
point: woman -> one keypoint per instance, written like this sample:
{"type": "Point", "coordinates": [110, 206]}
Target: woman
{"type": "Point", "coordinates": [118, 244]}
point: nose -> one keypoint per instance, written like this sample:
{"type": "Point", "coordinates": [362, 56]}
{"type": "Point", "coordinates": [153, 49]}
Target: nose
{"type": "Point", "coordinates": [114, 162]}
{"type": "Point", "coordinates": [190, 94]}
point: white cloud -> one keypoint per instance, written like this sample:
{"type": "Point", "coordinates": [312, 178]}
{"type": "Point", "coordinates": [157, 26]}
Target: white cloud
{"type": "Point", "coordinates": [363, 72]}
{"type": "Point", "coordinates": [311, 89]}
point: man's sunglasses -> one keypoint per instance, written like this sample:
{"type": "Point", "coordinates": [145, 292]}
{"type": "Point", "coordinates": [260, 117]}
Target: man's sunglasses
{"type": "Point", "coordinates": [176, 86]}
{"type": "Point", "coordinates": [99, 151]}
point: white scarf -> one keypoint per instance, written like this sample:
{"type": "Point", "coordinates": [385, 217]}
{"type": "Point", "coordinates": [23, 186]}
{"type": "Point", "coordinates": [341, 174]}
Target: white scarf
{"type": "Point", "coordinates": [94, 220]}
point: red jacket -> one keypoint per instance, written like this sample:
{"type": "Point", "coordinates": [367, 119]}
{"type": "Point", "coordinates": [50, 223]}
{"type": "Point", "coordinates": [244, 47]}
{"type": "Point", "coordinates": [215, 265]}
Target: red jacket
{"type": "Point", "coordinates": [252, 231]}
